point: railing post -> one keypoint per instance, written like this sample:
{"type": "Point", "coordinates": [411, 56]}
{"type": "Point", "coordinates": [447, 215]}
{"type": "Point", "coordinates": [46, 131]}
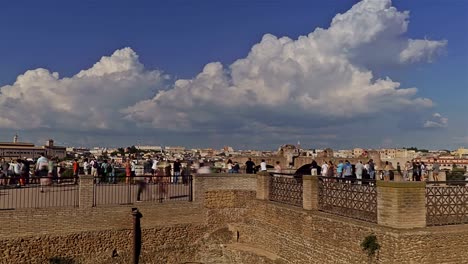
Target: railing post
{"type": "Point", "coordinates": [136, 235]}
{"type": "Point", "coordinates": [263, 186]}
{"type": "Point", "coordinates": [310, 192]}
{"type": "Point", "coordinates": [401, 204]}
{"type": "Point", "coordinates": [86, 191]}
{"type": "Point", "coordinates": [198, 194]}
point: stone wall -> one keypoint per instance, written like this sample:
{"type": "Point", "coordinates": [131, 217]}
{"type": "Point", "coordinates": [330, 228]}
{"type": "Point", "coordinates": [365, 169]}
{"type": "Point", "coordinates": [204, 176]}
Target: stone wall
{"type": "Point", "coordinates": [222, 181]}
{"type": "Point", "coordinates": [225, 224]}
{"type": "Point", "coordinates": [30, 222]}
{"type": "Point", "coordinates": [165, 244]}
{"type": "Point", "coordinates": [299, 236]}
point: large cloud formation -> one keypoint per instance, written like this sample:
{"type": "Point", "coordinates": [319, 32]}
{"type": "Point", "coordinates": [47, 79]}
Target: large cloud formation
{"type": "Point", "coordinates": [324, 78]}
{"type": "Point", "coordinates": [89, 100]}
{"type": "Point", "coordinates": [314, 77]}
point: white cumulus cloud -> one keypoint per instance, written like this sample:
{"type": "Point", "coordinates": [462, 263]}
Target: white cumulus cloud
{"type": "Point", "coordinates": [312, 77]}
{"type": "Point", "coordinates": [437, 121]}
{"type": "Point", "coordinates": [90, 99]}
{"type": "Point", "coordinates": [422, 49]}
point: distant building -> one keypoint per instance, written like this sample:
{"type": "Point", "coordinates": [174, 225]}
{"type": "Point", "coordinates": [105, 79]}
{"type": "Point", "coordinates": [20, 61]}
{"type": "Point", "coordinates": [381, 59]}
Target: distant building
{"type": "Point", "coordinates": [446, 162]}
{"type": "Point", "coordinates": [55, 151]}
{"type": "Point", "coordinates": [177, 149]}
{"type": "Point", "coordinates": [358, 152]}
{"type": "Point", "coordinates": [460, 152]}
{"type": "Point", "coordinates": [150, 148]}
{"type": "Point", "coordinates": [19, 150]}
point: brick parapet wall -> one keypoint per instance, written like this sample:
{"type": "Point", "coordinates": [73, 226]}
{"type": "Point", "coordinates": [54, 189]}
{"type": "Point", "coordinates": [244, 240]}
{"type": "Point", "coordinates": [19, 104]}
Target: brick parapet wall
{"type": "Point", "coordinates": [27, 222]}
{"type": "Point", "coordinates": [401, 204]}
{"type": "Point", "coordinates": [221, 181]}
{"type": "Point", "coordinates": [86, 191]}
{"type": "Point", "coordinates": [310, 192]}
{"type": "Point", "coordinates": [263, 186]}
{"type": "Point", "coordinates": [314, 237]}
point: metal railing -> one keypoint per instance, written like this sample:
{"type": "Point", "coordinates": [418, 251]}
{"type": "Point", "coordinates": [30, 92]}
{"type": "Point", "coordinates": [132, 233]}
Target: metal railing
{"type": "Point", "coordinates": [446, 203]}
{"type": "Point", "coordinates": [38, 192]}
{"type": "Point", "coordinates": [348, 197]}
{"type": "Point", "coordinates": [129, 190]}
{"type": "Point", "coordinates": [286, 188]}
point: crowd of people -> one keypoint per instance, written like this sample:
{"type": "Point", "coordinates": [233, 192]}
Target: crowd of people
{"type": "Point", "coordinates": [411, 171]}
{"type": "Point", "coordinates": [22, 172]}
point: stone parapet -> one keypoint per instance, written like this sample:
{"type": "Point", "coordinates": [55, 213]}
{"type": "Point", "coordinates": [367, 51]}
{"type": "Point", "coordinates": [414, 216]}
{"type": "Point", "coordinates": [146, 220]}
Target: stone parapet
{"type": "Point", "coordinates": [310, 192]}
{"type": "Point", "coordinates": [401, 204]}
{"type": "Point", "coordinates": [263, 186]}
{"type": "Point", "coordinates": [221, 181]}
{"type": "Point", "coordinates": [86, 191]}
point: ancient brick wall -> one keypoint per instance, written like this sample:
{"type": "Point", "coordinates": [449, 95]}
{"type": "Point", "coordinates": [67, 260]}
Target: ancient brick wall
{"type": "Point", "coordinates": [300, 236]}
{"type": "Point", "coordinates": [227, 226]}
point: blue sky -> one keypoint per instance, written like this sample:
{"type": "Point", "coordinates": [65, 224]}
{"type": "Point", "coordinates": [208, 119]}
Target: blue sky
{"type": "Point", "coordinates": [179, 38]}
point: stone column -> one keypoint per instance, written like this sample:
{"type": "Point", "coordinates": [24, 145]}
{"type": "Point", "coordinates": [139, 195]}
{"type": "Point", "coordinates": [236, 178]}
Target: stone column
{"type": "Point", "coordinates": [198, 188]}
{"type": "Point", "coordinates": [310, 192]}
{"type": "Point", "coordinates": [263, 186]}
{"type": "Point", "coordinates": [401, 204]}
{"type": "Point", "coordinates": [86, 191]}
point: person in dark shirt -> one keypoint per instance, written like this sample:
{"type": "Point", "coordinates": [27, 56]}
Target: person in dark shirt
{"type": "Point", "coordinates": [176, 171]}
{"type": "Point", "coordinates": [249, 166]}
{"type": "Point", "coordinates": [26, 169]}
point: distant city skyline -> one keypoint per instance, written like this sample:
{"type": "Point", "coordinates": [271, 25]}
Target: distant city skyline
{"type": "Point", "coordinates": [247, 74]}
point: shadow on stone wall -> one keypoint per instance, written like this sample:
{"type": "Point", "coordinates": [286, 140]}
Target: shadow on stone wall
{"type": "Point", "coordinates": [61, 260]}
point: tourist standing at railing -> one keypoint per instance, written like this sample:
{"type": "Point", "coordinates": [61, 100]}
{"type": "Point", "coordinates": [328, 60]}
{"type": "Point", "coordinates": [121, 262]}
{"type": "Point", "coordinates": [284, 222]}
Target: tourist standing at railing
{"type": "Point", "coordinates": [416, 175]}
{"type": "Point", "coordinates": [94, 169]}
{"type": "Point", "coordinates": [263, 166]}
{"type": "Point", "coordinates": [371, 169]}
{"type": "Point", "coordinates": [236, 167]}
{"type": "Point", "coordinates": [406, 171]}
{"type": "Point", "coordinates": [17, 169]}
{"type": "Point", "coordinates": [76, 170]}
{"type": "Point", "coordinates": [111, 172]}
{"type": "Point", "coordinates": [317, 169]}
{"type": "Point", "coordinates": [348, 171]}
{"type": "Point", "coordinates": [25, 170]}
{"type": "Point", "coordinates": [154, 167]}
{"type": "Point", "coordinates": [4, 171]}
{"type": "Point", "coordinates": [105, 171]}
{"type": "Point", "coordinates": [86, 166]}
{"type": "Point", "coordinates": [423, 172]}
{"type": "Point", "coordinates": [324, 171]}
{"type": "Point", "coordinates": [229, 166]}
{"type": "Point", "coordinates": [177, 166]}
{"type": "Point", "coordinates": [249, 166]}
{"type": "Point", "coordinates": [339, 169]}
{"type": "Point", "coordinates": [359, 170]}
{"type": "Point", "coordinates": [435, 170]}
{"type": "Point", "coordinates": [42, 168]}
{"type": "Point", "coordinates": [133, 165]}
{"type": "Point", "coordinates": [331, 169]}
{"type": "Point", "coordinates": [128, 171]}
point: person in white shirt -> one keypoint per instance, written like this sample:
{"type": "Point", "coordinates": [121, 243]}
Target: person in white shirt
{"type": "Point", "coordinates": [94, 168]}
{"type": "Point", "coordinates": [359, 169]}
{"type": "Point", "coordinates": [263, 165]}
{"type": "Point", "coordinates": [154, 167]}
{"type": "Point", "coordinates": [324, 168]}
{"type": "Point", "coordinates": [86, 166]}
